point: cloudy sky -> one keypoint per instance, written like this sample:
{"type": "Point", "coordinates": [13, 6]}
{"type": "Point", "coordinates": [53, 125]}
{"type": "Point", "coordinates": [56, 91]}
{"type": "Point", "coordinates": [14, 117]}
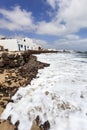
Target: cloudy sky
{"type": "Point", "coordinates": [61, 24]}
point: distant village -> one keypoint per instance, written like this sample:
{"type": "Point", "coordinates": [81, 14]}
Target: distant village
{"type": "Point", "coordinates": [22, 44]}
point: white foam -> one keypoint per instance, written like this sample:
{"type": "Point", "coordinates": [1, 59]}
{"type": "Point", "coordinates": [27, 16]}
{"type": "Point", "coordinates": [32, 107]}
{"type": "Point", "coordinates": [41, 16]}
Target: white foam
{"type": "Point", "coordinates": [59, 95]}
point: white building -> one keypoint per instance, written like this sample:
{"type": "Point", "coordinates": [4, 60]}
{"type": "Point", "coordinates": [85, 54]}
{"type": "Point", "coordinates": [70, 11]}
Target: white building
{"type": "Point", "coordinates": [19, 44]}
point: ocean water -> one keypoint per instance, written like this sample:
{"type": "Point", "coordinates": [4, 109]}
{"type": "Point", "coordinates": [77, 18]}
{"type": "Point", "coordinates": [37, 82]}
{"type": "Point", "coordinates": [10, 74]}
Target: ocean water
{"type": "Point", "coordinates": [58, 94]}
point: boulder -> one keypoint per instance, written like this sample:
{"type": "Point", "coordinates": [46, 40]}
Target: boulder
{"type": "Point", "coordinates": [1, 63]}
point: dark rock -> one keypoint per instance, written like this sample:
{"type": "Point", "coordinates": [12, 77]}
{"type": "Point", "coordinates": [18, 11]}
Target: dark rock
{"type": "Point", "coordinates": [46, 125]}
{"type": "Point", "coordinates": [37, 120]}
{"type": "Point", "coordinates": [1, 70]}
{"type": "Point", "coordinates": [4, 55]}
{"type": "Point", "coordinates": [11, 56]}
{"type": "Point", "coordinates": [1, 103]}
{"type": "Point", "coordinates": [8, 81]}
{"type": "Point", "coordinates": [15, 128]}
{"type": "Point", "coordinates": [9, 119]}
{"type": "Point", "coordinates": [17, 123]}
{"type": "Point", "coordinates": [1, 63]}
{"type": "Point", "coordinates": [41, 127]}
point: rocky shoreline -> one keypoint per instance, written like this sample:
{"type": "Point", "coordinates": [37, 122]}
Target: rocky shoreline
{"type": "Point", "coordinates": [16, 69]}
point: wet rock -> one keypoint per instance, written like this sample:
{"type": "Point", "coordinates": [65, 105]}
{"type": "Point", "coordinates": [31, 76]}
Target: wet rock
{"type": "Point", "coordinates": [41, 127]}
{"type": "Point", "coordinates": [37, 120]}
{"type": "Point", "coordinates": [46, 93]}
{"type": "Point", "coordinates": [19, 96]}
{"type": "Point", "coordinates": [46, 125]}
{"type": "Point", "coordinates": [81, 96]}
{"type": "Point", "coordinates": [17, 123]}
{"type": "Point", "coordinates": [16, 129]}
{"type": "Point", "coordinates": [9, 119]}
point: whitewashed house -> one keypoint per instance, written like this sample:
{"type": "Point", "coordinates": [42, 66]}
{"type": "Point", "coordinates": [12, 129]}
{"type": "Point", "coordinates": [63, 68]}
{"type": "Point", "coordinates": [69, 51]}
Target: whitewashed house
{"type": "Point", "coordinates": [19, 44]}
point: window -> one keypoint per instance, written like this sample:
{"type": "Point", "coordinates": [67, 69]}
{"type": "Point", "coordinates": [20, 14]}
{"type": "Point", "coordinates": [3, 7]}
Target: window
{"type": "Point", "coordinates": [21, 46]}
{"type": "Point", "coordinates": [25, 48]}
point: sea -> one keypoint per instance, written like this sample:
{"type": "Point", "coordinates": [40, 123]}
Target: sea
{"type": "Point", "coordinates": [57, 94]}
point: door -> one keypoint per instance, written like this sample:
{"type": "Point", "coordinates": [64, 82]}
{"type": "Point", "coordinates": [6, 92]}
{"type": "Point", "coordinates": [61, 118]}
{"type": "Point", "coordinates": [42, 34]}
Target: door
{"type": "Point", "coordinates": [25, 47]}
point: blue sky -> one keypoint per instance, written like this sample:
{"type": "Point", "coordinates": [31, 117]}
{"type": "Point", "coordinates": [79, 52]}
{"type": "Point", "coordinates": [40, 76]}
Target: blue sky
{"type": "Point", "coordinates": [60, 24]}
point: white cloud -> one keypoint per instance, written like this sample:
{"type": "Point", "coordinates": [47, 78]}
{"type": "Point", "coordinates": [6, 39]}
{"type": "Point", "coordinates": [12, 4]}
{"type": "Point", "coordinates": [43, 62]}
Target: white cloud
{"type": "Point", "coordinates": [1, 36]}
{"type": "Point", "coordinates": [16, 19]}
{"type": "Point", "coordinates": [73, 13]}
{"type": "Point", "coordinates": [52, 3]}
{"type": "Point", "coordinates": [72, 36]}
{"type": "Point", "coordinates": [42, 43]}
{"type": "Point", "coordinates": [70, 16]}
{"type": "Point", "coordinates": [50, 28]}
{"type": "Point", "coordinates": [71, 42]}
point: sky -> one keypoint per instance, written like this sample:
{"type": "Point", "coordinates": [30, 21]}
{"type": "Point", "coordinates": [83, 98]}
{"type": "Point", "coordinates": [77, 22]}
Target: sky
{"type": "Point", "coordinates": [59, 24]}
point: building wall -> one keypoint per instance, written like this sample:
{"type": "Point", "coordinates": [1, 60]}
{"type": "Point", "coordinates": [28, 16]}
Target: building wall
{"type": "Point", "coordinates": [19, 44]}
{"type": "Point", "coordinates": [10, 44]}
{"type": "Point", "coordinates": [30, 43]}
